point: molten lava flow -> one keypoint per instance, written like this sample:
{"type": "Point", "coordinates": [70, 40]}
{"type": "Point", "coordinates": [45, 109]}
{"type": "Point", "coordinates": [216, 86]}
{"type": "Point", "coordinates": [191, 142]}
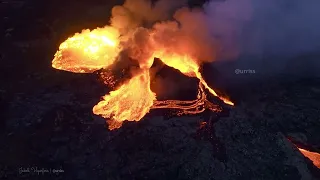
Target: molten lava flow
{"type": "Point", "coordinates": [189, 107]}
{"type": "Point", "coordinates": [313, 156]}
{"type": "Point", "coordinates": [183, 63]}
{"type": "Point", "coordinates": [88, 51]}
{"type": "Point", "coordinates": [93, 50]}
{"type": "Point", "coordinates": [188, 66]}
{"type": "Point", "coordinates": [225, 100]}
{"type": "Point", "coordinates": [132, 101]}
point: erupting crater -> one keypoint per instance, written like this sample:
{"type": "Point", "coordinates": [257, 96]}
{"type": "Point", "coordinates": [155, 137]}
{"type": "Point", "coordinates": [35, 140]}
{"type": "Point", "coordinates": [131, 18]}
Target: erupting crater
{"type": "Point", "coordinates": [177, 43]}
{"type": "Point", "coordinates": [101, 48]}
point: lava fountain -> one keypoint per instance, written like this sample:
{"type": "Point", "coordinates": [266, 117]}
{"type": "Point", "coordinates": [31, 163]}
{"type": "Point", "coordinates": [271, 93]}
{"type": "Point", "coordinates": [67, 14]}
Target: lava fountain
{"type": "Point", "coordinates": [102, 48]}
{"type": "Point", "coordinates": [88, 51]}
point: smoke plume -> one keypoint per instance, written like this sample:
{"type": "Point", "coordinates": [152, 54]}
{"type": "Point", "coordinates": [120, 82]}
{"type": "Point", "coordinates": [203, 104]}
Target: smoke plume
{"type": "Point", "coordinates": [254, 33]}
{"type": "Point", "coordinates": [188, 33]}
{"type": "Point", "coordinates": [136, 13]}
{"type": "Point", "coordinates": [165, 24]}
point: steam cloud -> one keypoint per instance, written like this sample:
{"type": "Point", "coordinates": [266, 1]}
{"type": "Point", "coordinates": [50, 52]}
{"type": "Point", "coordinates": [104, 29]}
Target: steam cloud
{"type": "Point", "coordinates": [221, 29]}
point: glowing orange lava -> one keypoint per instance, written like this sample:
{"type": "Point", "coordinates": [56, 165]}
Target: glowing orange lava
{"type": "Point", "coordinates": [88, 51]}
{"type": "Point", "coordinates": [132, 101]}
{"type": "Point", "coordinates": [93, 50]}
{"type": "Point", "coordinates": [313, 156]}
{"type": "Point", "coordinates": [189, 67]}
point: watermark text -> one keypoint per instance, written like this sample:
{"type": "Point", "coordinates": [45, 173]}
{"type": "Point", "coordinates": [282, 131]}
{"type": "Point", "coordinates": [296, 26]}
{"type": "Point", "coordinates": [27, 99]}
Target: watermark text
{"type": "Point", "coordinates": [244, 71]}
{"type": "Point", "coordinates": [39, 170]}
